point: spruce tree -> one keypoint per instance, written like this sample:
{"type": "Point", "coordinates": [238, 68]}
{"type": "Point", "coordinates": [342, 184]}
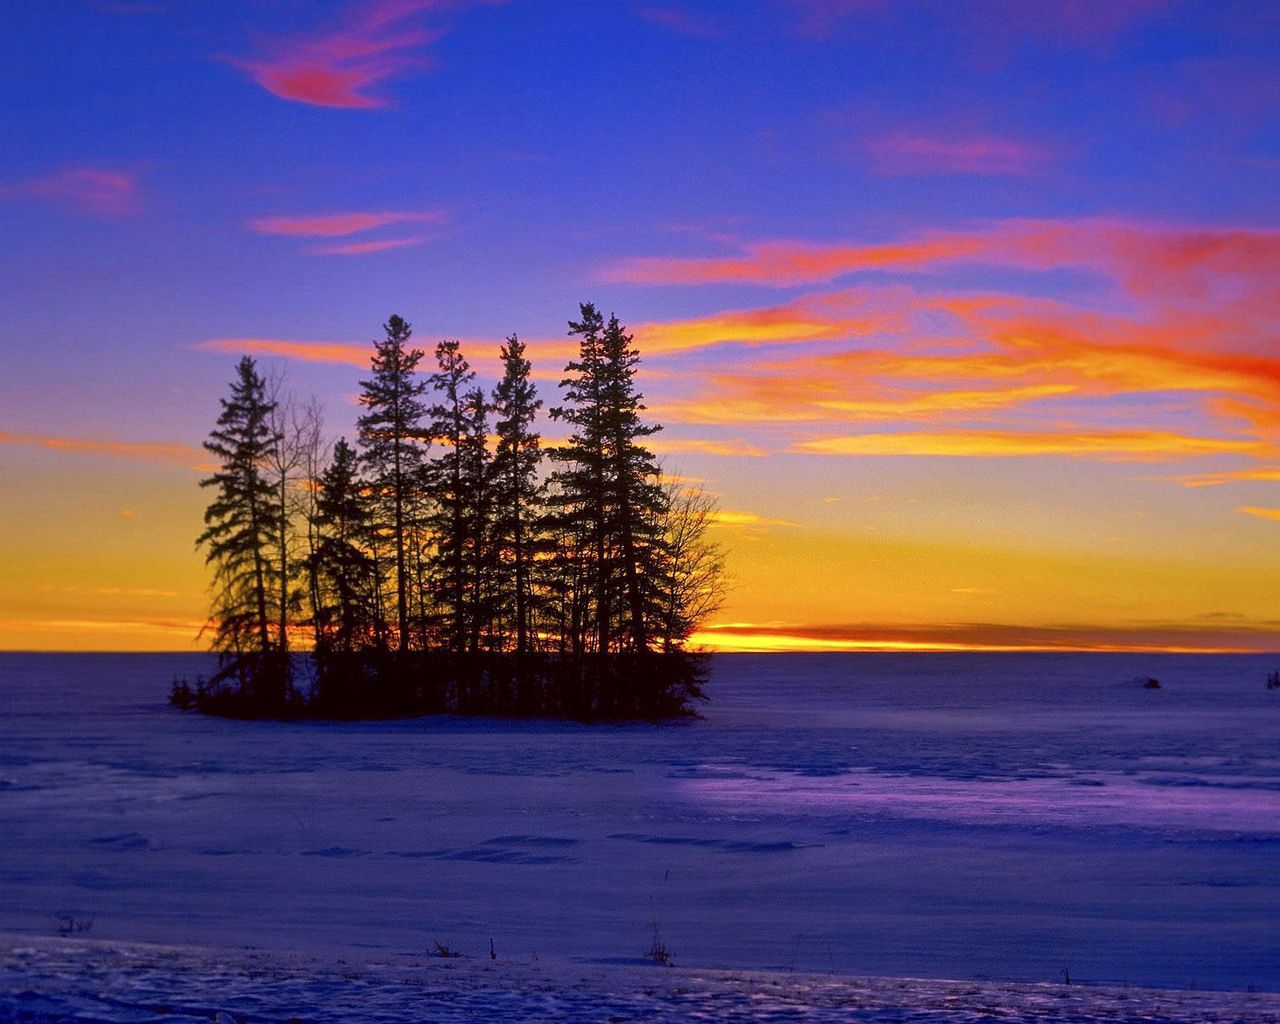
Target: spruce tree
{"type": "Point", "coordinates": [517, 494]}
{"type": "Point", "coordinates": [607, 493]}
{"type": "Point", "coordinates": [639, 501]}
{"type": "Point", "coordinates": [346, 574]}
{"type": "Point", "coordinates": [477, 504]}
{"type": "Point", "coordinates": [240, 528]}
{"type": "Point", "coordinates": [391, 439]}
{"type": "Point", "coordinates": [579, 502]}
{"type": "Point", "coordinates": [449, 490]}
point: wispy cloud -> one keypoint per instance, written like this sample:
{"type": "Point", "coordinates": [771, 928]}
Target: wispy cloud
{"type": "Point", "coordinates": [1261, 513]}
{"type": "Point", "coordinates": [1194, 636]}
{"type": "Point", "coordinates": [735, 518]}
{"type": "Point", "coordinates": [379, 245]}
{"type": "Point", "coordinates": [336, 225]}
{"type": "Point", "coordinates": [168, 454]}
{"type": "Point", "coordinates": [341, 352]}
{"type": "Point", "coordinates": [344, 65]}
{"type": "Point", "coordinates": [1118, 446]}
{"type": "Point", "coordinates": [107, 192]}
{"type": "Point", "coordinates": [1147, 258]}
{"type": "Point", "coordinates": [703, 446]}
{"type": "Point", "coordinates": [907, 153]}
{"type": "Point", "coordinates": [1004, 26]}
{"type": "Point", "coordinates": [682, 22]}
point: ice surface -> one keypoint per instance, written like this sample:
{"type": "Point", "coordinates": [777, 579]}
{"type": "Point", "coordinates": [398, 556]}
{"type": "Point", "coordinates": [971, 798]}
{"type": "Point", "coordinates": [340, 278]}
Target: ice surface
{"type": "Point", "coordinates": [970, 816]}
{"type": "Point", "coordinates": [45, 981]}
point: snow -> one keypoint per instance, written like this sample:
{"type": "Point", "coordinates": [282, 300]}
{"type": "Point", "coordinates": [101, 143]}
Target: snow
{"type": "Point", "coordinates": [102, 982]}
{"type": "Point", "coordinates": [938, 816]}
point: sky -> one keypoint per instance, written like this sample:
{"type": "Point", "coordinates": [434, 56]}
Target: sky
{"type": "Point", "coordinates": [966, 313]}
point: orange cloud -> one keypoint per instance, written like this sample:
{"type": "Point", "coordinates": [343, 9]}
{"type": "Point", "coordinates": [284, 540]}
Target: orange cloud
{"type": "Point", "coordinates": [1119, 445]}
{"type": "Point", "coordinates": [345, 353]}
{"type": "Point", "coordinates": [96, 190]}
{"type": "Point", "coordinates": [333, 225]}
{"type": "Point", "coordinates": [1262, 513]}
{"type": "Point", "coordinates": [702, 446]}
{"type": "Point", "coordinates": [481, 351]}
{"type": "Point", "coordinates": [167, 454]}
{"type": "Point", "coordinates": [810, 318]}
{"type": "Point", "coordinates": [1197, 637]}
{"type": "Point", "coordinates": [342, 67]}
{"type": "Point", "coordinates": [1147, 259]}
{"type": "Point", "coordinates": [730, 517]}
{"type": "Point", "coordinates": [1258, 474]}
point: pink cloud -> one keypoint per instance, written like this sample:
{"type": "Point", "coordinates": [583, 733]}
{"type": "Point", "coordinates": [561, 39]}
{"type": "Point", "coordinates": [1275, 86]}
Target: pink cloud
{"type": "Point", "coordinates": [1184, 266]}
{"type": "Point", "coordinates": [343, 66]}
{"type": "Point", "coordinates": [1003, 23]}
{"type": "Point", "coordinates": [381, 245]}
{"type": "Point", "coordinates": [334, 225]}
{"type": "Point", "coordinates": [911, 153]}
{"type": "Point", "coordinates": [682, 22]}
{"type": "Point", "coordinates": [97, 190]}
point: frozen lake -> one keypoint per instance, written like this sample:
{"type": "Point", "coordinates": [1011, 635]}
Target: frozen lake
{"type": "Point", "coordinates": [959, 816]}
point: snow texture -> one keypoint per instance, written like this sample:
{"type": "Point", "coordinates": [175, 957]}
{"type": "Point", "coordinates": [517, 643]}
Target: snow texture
{"type": "Point", "coordinates": [962, 816]}
{"type": "Point", "coordinates": [83, 982]}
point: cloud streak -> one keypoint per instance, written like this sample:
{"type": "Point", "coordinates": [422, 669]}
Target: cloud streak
{"type": "Point", "coordinates": [337, 225]}
{"type": "Point", "coordinates": [1107, 446]}
{"type": "Point", "coordinates": [165, 454]}
{"type": "Point", "coordinates": [908, 153]}
{"type": "Point", "coordinates": [103, 192]}
{"type": "Point", "coordinates": [344, 66]}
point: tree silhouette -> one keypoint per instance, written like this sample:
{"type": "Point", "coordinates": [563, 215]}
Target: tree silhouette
{"type": "Point", "coordinates": [572, 594]}
{"type": "Point", "coordinates": [517, 493]}
{"type": "Point", "coordinates": [240, 524]}
{"type": "Point", "coordinates": [449, 424]}
{"type": "Point", "coordinates": [391, 441]}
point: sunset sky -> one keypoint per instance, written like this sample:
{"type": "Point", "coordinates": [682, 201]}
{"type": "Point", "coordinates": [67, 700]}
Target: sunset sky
{"type": "Point", "coordinates": [967, 312]}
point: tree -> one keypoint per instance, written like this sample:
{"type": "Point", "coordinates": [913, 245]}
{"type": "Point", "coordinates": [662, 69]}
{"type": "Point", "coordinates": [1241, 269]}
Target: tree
{"type": "Point", "coordinates": [692, 582]}
{"type": "Point", "coordinates": [448, 485]}
{"type": "Point", "coordinates": [347, 581]}
{"type": "Point", "coordinates": [639, 500]}
{"type": "Point", "coordinates": [579, 498]}
{"type": "Point", "coordinates": [477, 508]}
{"type": "Point", "coordinates": [391, 439]}
{"type": "Point", "coordinates": [517, 494]}
{"type": "Point", "coordinates": [239, 523]}
{"type": "Point", "coordinates": [608, 487]}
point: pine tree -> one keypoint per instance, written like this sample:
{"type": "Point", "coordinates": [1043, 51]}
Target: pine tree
{"type": "Point", "coordinates": [240, 529]}
{"type": "Point", "coordinates": [448, 485]}
{"type": "Point", "coordinates": [346, 574]}
{"type": "Point", "coordinates": [639, 501]}
{"type": "Point", "coordinates": [517, 494]}
{"type": "Point", "coordinates": [579, 502]}
{"type": "Point", "coordinates": [391, 440]}
{"type": "Point", "coordinates": [477, 504]}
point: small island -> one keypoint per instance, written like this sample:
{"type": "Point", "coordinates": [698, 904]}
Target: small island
{"type": "Point", "coordinates": [448, 561]}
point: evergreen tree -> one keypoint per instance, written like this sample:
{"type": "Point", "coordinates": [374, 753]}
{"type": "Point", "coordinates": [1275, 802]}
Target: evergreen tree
{"type": "Point", "coordinates": [449, 425]}
{"type": "Point", "coordinates": [607, 494]}
{"type": "Point", "coordinates": [391, 441]}
{"type": "Point", "coordinates": [579, 502]}
{"type": "Point", "coordinates": [240, 524]}
{"type": "Point", "coordinates": [346, 574]}
{"type": "Point", "coordinates": [517, 494]}
{"type": "Point", "coordinates": [639, 501]}
{"type": "Point", "coordinates": [477, 504]}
